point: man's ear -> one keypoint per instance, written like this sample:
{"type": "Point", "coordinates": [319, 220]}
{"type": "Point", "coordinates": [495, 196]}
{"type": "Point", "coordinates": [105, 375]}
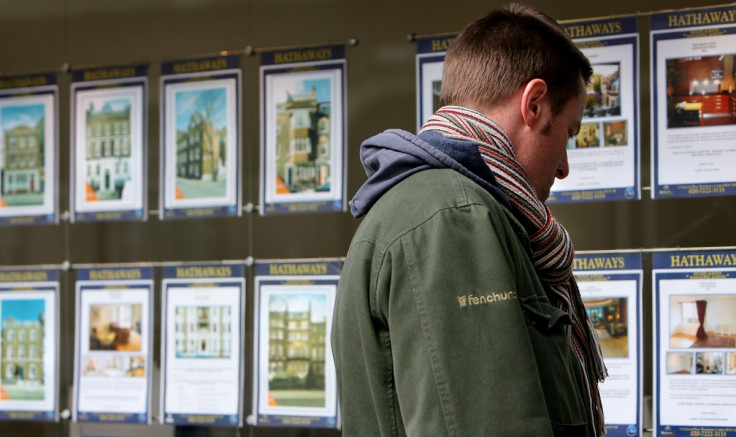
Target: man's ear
{"type": "Point", "coordinates": [532, 97]}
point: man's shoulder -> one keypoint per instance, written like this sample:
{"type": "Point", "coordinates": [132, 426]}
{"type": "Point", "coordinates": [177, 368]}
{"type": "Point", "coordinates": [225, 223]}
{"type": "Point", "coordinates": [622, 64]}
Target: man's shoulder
{"type": "Point", "coordinates": [418, 198]}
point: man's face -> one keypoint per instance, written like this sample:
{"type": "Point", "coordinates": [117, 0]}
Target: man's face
{"type": "Point", "coordinates": [547, 158]}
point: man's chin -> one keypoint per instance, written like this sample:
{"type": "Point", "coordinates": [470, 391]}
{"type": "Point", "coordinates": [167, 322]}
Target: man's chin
{"type": "Point", "coordinates": [542, 196]}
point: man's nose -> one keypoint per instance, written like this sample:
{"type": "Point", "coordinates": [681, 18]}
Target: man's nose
{"type": "Point", "coordinates": [564, 169]}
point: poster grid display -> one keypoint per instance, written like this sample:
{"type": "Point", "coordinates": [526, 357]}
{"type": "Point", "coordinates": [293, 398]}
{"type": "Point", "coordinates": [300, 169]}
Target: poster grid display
{"type": "Point", "coordinates": [202, 345]}
{"type": "Point", "coordinates": [113, 345]}
{"type": "Point", "coordinates": [294, 379]}
{"type": "Point", "coordinates": [303, 130]}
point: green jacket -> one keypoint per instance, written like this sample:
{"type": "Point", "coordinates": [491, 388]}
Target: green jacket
{"type": "Point", "coordinates": [441, 325]}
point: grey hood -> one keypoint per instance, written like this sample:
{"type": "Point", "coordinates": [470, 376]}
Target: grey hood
{"type": "Point", "coordinates": [394, 155]}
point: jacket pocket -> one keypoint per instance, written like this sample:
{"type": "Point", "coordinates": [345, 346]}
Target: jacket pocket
{"type": "Point", "coordinates": [559, 370]}
{"type": "Point", "coordinates": [542, 315]}
{"type": "Point", "coordinates": [570, 430]}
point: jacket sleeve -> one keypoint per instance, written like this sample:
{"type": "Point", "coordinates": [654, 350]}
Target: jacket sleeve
{"type": "Point", "coordinates": [450, 293]}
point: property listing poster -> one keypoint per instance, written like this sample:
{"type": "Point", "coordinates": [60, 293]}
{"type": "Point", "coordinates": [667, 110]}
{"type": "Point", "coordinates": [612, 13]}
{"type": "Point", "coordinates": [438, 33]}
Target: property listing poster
{"type": "Point", "coordinates": [113, 345]}
{"type": "Point", "coordinates": [694, 102]}
{"type": "Point", "coordinates": [200, 138]}
{"type": "Point", "coordinates": [694, 343]}
{"type": "Point", "coordinates": [201, 345]}
{"type": "Point", "coordinates": [108, 138]}
{"type": "Point", "coordinates": [604, 155]}
{"type": "Point", "coordinates": [294, 379]}
{"type": "Point", "coordinates": [303, 130]}
{"type": "Point", "coordinates": [611, 287]}
{"type": "Point", "coordinates": [430, 59]}
{"type": "Point", "coordinates": [28, 150]}
{"type": "Point", "coordinates": [29, 334]}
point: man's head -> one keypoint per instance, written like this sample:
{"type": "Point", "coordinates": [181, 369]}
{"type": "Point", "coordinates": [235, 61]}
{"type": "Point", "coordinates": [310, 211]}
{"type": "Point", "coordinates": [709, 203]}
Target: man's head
{"type": "Point", "coordinates": [499, 53]}
{"type": "Point", "coordinates": [519, 67]}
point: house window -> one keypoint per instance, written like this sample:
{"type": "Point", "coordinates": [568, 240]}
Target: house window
{"type": "Point", "coordinates": [10, 371]}
{"type": "Point", "coordinates": [689, 312]}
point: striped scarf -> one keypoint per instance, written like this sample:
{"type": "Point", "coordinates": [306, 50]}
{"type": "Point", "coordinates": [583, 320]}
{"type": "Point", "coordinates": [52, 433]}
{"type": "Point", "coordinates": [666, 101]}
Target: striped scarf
{"type": "Point", "coordinates": [552, 249]}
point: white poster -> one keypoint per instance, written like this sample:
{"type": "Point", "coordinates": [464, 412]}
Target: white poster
{"type": "Point", "coordinates": [604, 155]}
{"type": "Point", "coordinates": [202, 363]}
{"type": "Point", "coordinates": [430, 60]}
{"type": "Point", "coordinates": [303, 130]}
{"type": "Point", "coordinates": [29, 338]}
{"type": "Point", "coordinates": [200, 138]}
{"type": "Point", "coordinates": [694, 103]}
{"type": "Point", "coordinates": [695, 343]}
{"type": "Point", "coordinates": [295, 383]}
{"type": "Point", "coordinates": [611, 287]}
{"type": "Point", "coordinates": [108, 176]}
{"type": "Point", "coordinates": [28, 150]}
{"type": "Point", "coordinates": [112, 365]}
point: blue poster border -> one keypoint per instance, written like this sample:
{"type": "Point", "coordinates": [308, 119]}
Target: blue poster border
{"type": "Point", "coordinates": [213, 68]}
{"type": "Point", "coordinates": [680, 25]}
{"type": "Point", "coordinates": [316, 272]}
{"type": "Point", "coordinates": [674, 265]}
{"type": "Point", "coordinates": [37, 279]}
{"type": "Point", "coordinates": [609, 32]}
{"type": "Point", "coordinates": [430, 50]}
{"type": "Point", "coordinates": [294, 60]}
{"type": "Point", "coordinates": [37, 85]}
{"type": "Point", "coordinates": [98, 278]}
{"type": "Point", "coordinates": [104, 78]}
{"type": "Point", "coordinates": [621, 266]}
{"type": "Point", "coordinates": [187, 275]}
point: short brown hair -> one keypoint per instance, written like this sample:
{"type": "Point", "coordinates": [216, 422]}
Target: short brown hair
{"type": "Point", "coordinates": [499, 53]}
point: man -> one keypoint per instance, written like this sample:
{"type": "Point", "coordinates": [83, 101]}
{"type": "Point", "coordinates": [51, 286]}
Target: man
{"type": "Point", "coordinates": [457, 312]}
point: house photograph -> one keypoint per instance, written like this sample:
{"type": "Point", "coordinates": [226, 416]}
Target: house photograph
{"type": "Point", "coordinates": [700, 91]}
{"type": "Point", "coordinates": [703, 321]}
{"type": "Point", "coordinates": [609, 317]}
